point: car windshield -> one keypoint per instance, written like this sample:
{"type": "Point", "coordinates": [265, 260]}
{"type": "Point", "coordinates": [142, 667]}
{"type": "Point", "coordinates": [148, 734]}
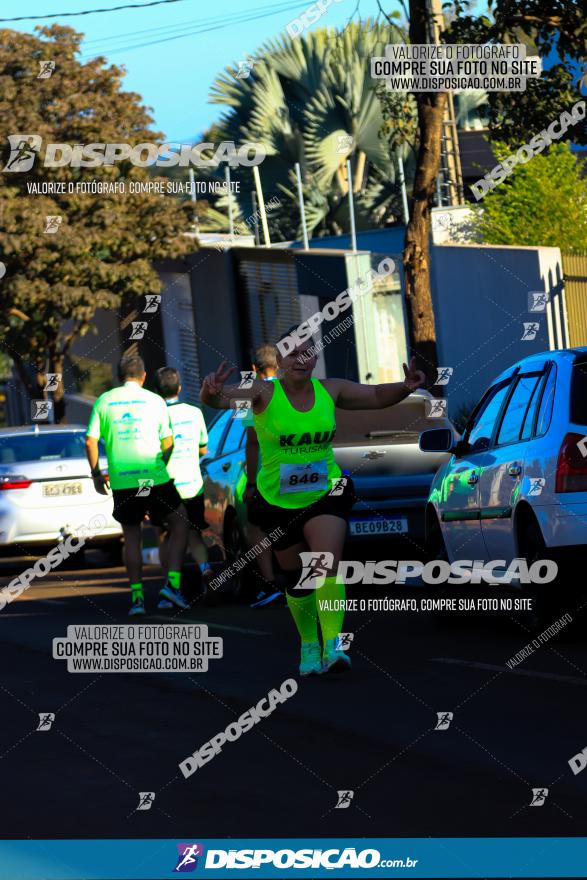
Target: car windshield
{"type": "Point", "coordinates": [43, 447]}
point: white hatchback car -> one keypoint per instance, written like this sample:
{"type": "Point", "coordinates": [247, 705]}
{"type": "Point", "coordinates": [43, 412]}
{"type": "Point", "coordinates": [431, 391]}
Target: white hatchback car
{"type": "Point", "coordinates": [516, 483]}
{"type": "Point", "coordinates": [46, 490]}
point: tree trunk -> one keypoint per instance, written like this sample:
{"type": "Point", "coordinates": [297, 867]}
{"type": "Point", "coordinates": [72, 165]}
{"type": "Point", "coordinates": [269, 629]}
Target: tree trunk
{"type": "Point", "coordinates": [23, 374]}
{"type": "Point", "coordinates": [417, 239]}
{"type": "Point", "coordinates": [56, 366]}
{"type": "Point", "coordinates": [431, 107]}
{"type": "Point", "coordinates": [34, 388]}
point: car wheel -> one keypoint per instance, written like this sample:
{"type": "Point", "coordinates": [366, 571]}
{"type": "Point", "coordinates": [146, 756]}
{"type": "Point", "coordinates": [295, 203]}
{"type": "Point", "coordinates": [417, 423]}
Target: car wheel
{"type": "Point", "coordinates": [533, 548]}
{"type": "Point", "coordinates": [436, 552]}
{"type": "Point", "coordinates": [435, 546]}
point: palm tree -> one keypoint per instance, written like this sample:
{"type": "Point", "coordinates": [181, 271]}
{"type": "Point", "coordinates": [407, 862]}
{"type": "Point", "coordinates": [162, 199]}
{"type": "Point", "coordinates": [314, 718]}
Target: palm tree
{"type": "Point", "coordinates": [470, 109]}
{"type": "Point", "coordinates": [312, 100]}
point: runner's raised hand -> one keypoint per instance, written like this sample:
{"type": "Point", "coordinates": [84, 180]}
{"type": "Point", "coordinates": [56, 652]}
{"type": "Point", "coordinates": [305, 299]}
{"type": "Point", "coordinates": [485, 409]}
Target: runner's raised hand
{"type": "Point", "coordinates": [413, 378]}
{"type": "Point", "coordinates": [214, 382]}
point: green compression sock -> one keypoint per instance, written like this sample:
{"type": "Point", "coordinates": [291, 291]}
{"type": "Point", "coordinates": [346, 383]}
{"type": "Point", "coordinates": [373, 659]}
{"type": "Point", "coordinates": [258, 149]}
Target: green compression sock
{"type": "Point", "coordinates": [331, 622]}
{"type": "Point", "coordinates": [303, 611]}
{"type": "Point", "coordinates": [136, 591]}
{"type": "Point", "coordinates": [174, 578]}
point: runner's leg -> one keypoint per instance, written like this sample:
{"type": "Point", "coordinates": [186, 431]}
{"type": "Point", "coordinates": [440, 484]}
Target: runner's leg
{"type": "Point", "coordinates": [265, 559]}
{"type": "Point", "coordinates": [326, 534]}
{"type": "Point", "coordinates": [178, 533]}
{"type": "Point", "coordinates": [163, 550]}
{"type": "Point", "coordinates": [132, 553]}
{"type": "Point", "coordinates": [302, 606]}
{"type": "Point", "coordinates": [177, 526]}
{"type": "Point", "coordinates": [134, 566]}
{"type": "Point", "coordinates": [197, 548]}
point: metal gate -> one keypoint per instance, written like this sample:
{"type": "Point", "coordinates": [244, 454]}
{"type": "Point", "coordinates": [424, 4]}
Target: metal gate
{"type": "Point", "coordinates": [575, 277]}
{"type": "Point", "coordinates": [268, 295]}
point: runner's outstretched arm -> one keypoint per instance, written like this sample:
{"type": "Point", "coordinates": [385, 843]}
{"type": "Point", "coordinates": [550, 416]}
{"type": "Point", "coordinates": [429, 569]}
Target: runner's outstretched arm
{"type": "Point", "coordinates": [353, 395]}
{"type": "Point", "coordinates": [93, 456]}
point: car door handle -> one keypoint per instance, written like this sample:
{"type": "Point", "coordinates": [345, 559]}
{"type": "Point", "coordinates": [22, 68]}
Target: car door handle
{"type": "Point", "coordinates": [226, 466]}
{"type": "Point", "coordinates": [473, 479]}
{"type": "Point", "coordinates": [515, 470]}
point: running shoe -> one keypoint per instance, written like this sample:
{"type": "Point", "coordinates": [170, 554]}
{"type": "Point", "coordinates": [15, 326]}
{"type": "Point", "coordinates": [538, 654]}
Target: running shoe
{"type": "Point", "coordinates": [173, 596]}
{"type": "Point", "coordinates": [164, 605]}
{"type": "Point", "coordinates": [266, 597]}
{"type": "Point", "coordinates": [206, 569]}
{"type": "Point", "coordinates": [137, 607]}
{"type": "Point", "coordinates": [334, 660]}
{"type": "Point", "coordinates": [310, 662]}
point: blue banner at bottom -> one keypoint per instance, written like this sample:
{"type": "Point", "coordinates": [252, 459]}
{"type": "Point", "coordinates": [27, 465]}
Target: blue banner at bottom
{"type": "Point", "coordinates": [271, 858]}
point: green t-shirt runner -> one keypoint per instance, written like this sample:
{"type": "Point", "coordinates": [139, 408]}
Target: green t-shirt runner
{"type": "Point", "coordinates": [132, 422]}
{"type": "Point", "coordinates": [189, 433]}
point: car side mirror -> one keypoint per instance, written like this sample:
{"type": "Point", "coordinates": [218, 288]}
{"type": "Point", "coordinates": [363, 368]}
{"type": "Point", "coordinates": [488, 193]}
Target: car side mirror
{"type": "Point", "coordinates": [437, 440]}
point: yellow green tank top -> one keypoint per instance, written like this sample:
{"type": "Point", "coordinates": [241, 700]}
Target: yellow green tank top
{"type": "Point", "coordinates": [298, 465]}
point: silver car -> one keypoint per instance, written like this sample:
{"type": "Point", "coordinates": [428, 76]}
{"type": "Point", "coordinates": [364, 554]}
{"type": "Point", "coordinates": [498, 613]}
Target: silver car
{"type": "Point", "coordinates": [46, 490]}
{"type": "Point", "coordinates": [515, 485]}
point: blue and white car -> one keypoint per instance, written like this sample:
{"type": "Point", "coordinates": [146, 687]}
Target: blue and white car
{"type": "Point", "coordinates": [515, 485]}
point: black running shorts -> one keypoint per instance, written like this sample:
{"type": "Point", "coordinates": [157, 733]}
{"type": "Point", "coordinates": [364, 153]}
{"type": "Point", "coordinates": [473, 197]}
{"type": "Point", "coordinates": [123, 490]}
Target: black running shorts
{"type": "Point", "coordinates": [130, 509]}
{"type": "Point", "coordinates": [291, 521]}
{"type": "Point", "coordinates": [195, 512]}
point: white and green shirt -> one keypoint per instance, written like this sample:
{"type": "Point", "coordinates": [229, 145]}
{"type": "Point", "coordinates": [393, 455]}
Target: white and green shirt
{"type": "Point", "coordinates": [189, 433]}
{"type": "Point", "coordinates": [132, 422]}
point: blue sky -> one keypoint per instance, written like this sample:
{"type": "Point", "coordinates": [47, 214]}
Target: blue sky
{"type": "Point", "coordinates": [174, 77]}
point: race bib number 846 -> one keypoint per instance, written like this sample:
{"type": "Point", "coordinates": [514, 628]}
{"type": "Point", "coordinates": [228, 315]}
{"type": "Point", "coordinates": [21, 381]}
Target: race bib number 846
{"type": "Point", "coordinates": [310, 477]}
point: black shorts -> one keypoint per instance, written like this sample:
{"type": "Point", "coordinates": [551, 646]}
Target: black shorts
{"type": "Point", "coordinates": [254, 510]}
{"type": "Point", "coordinates": [130, 509]}
{"type": "Point", "coordinates": [292, 521]}
{"type": "Point", "coordinates": [195, 512]}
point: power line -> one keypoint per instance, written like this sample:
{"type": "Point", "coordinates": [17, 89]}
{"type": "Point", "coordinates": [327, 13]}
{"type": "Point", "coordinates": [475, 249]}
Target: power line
{"type": "Point", "coordinates": [200, 30]}
{"type": "Point", "coordinates": [284, 6]}
{"type": "Point", "coordinates": [90, 11]}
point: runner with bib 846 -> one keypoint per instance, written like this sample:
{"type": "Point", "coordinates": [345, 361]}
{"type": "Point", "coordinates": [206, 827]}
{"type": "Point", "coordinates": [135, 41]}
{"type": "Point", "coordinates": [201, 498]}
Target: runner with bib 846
{"type": "Point", "coordinates": [299, 482]}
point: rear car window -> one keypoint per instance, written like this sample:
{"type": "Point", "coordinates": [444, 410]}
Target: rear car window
{"type": "Point", "coordinates": [44, 447]}
{"type": "Point", "coordinates": [546, 404]}
{"type": "Point", "coordinates": [516, 409]}
{"type": "Point", "coordinates": [579, 393]}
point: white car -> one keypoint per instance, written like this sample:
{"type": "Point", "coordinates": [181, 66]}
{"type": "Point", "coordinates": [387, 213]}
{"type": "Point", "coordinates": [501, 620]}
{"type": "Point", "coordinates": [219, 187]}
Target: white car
{"type": "Point", "coordinates": [516, 483]}
{"type": "Point", "coordinates": [46, 490]}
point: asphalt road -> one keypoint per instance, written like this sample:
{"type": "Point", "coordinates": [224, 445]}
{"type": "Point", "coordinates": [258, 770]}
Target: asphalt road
{"type": "Point", "coordinates": [370, 732]}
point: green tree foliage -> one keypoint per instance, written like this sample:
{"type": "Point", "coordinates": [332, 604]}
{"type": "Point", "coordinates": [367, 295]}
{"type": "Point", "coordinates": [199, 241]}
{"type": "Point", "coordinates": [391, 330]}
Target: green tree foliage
{"type": "Point", "coordinates": [544, 202]}
{"type": "Point", "coordinates": [543, 25]}
{"type": "Point", "coordinates": [103, 251]}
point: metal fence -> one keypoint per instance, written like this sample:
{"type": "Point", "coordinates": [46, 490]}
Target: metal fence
{"type": "Point", "coordinates": [575, 276]}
